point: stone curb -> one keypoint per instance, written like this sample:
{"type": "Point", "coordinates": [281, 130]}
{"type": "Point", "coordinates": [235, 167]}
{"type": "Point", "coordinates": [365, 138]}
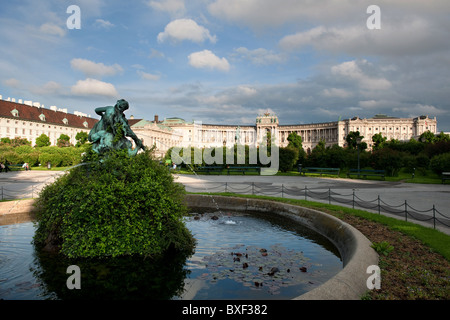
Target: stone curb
{"type": "Point", "coordinates": [354, 248]}
{"type": "Point", "coordinates": [16, 211]}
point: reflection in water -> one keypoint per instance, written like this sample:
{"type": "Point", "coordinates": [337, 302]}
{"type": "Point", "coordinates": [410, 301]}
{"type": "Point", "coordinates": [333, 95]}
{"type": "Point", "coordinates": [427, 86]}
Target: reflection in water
{"type": "Point", "coordinates": [120, 278]}
{"type": "Point", "coordinates": [26, 273]}
{"type": "Point", "coordinates": [257, 256]}
{"type": "Point", "coordinates": [215, 271]}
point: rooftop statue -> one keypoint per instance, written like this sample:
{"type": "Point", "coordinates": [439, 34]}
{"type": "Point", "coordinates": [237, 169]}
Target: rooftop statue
{"type": "Point", "coordinates": [111, 131]}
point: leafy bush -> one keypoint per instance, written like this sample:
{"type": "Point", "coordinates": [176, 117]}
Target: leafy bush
{"type": "Point", "coordinates": [31, 158]}
{"type": "Point", "coordinates": [440, 163]}
{"type": "Point", "coordinates": [11, 157]}
{"type": "Point", "coordinates": [387, 159]}
{"type": "Point", "coordinates": [287, 158]}
{"type": "Point", "coordinates": [118, 206]}
{"type": "Point", "coordinates": [54, 158]}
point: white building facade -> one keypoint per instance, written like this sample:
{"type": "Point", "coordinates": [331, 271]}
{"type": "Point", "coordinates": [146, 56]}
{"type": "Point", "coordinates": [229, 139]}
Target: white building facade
{"type": "Point", "coordinates": [18, 120]}
{"type": "Point", "coordinates": [30, 120]}
{"type": "Point", "coordinates": [201, 135]}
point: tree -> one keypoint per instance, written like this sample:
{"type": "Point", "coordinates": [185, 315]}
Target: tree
{"type": "Point", "coordinates": [440, 163]}
{"type": "Point", "coordinates": [63, 141]}
{"type": "Point", "coordinates": [387, 159]}
{"type": "Point", "coordinates": [295, 141]}
{"type": "Point", "coordinates": [42, 141]}
{"type": "Point", "coordinates": [427, 137]}
{"type": "Point", "coordinates": [81, 137]}
{"type": "Point", "coordinates": [288, 157]}
{"type": "Point", "coordinates": [5, 141]}
{"type": "Point", "coordinates": [378, 141]}
{"type": "Point", "coordinates": [317, 158]}
{"type": "Point", "coordinates": [18, 141]}
{"type": "Point", "coordinates": [352, 140]}
{"type": "Point", "coordinates": [442, 137]}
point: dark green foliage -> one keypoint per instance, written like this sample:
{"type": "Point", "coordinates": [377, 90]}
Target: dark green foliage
{"type": "Point", "coordinates": [440, 163]}
{"type": "Point", "coordinates": [118, 206]}
{"type": "Point", "coordinates": [387, 159]}
{"type": "Point", "coordinates": [287, 158]}
{"type": "Point", "coordinates": [42, 141]}
{"type": "Point", "coordinates": [352, 140]}
{"type": "Point", "coordinates": [81, 137]}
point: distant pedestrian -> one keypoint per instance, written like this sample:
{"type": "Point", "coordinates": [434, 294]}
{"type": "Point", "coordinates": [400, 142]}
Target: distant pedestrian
{"type": "Point", "coordinates": [5, 167]}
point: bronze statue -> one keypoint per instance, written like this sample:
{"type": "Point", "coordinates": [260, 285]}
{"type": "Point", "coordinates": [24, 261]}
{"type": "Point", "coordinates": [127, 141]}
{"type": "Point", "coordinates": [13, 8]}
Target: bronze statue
{"type": "Point", "coordinates": [111, 131]}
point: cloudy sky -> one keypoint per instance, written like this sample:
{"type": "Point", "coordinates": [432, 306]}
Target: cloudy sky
{"type": "Point", "coordinates": [226, 61]}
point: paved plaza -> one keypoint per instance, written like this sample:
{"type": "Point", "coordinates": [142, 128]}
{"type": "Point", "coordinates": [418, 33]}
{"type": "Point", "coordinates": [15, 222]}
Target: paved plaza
{"type": "Point", "coordinates": [421, 197]}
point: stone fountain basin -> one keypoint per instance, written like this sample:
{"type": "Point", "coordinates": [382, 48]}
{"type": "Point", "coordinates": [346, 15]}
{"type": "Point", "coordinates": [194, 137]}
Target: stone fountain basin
{"type": "Point", "coordinates": [355, 249]}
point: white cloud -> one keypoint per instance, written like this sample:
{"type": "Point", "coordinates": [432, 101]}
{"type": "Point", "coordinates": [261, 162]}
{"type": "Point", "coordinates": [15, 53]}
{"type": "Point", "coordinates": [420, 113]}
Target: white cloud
{"type": "Point", "coordinates": [148, 76]}
{"type": "Point", "coordinates": [155, 54]}
{"type": "Point", "coordinates": [420, 109]}
{"type": "Point", "coordinates": [12, 82]}
{"type": "Point", "coordinates": [93, 69]}
{"type": "Point", "coordinates": [50, 88]}
{"type": "Point", "coordinates": [268, 13]}
{"type": "Point", "coordinates": [336, 93]}
{"type": "Point", "coordinates": [94, 87]}
{"type": "Point", "coordinates": [260, 56]}
{"type": "Point", "coordinates": [352, 70]}
{"type": "Point", "coordinates": [395, 38]}
{"type": "Point", "coordinates": [171, 6]}
{"type": "Point", "coordinates": [185, 29]}
{"type": "Point", "coordinates": [246, 90]}
{"type": "Point", "coordinates": [103, 24]}
{"type": "Point", "coordinates": [207, 59]}
{"type": "Point", "coordinates": [52, 29]}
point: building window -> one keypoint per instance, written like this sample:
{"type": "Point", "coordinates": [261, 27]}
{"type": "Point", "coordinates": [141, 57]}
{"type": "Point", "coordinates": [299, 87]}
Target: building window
{"type": "Point", "coordinates": [15, 113]}
{"type": "Point", "coordinates": [65, 121]}
{"type": "Point", "coordinates": [42, 117]}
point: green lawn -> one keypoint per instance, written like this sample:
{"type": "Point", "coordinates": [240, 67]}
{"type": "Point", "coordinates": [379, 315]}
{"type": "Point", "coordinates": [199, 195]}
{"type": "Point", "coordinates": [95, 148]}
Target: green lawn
{"type": "Point", "coordinates": [427, 177]}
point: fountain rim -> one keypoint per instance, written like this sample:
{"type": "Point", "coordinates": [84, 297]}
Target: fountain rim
{"type": "Point", "coordinates": [355, 249]}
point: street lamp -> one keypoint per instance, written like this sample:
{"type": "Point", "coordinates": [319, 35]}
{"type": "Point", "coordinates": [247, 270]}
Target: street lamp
{"type": "Point", "coordinates": [358, 142]}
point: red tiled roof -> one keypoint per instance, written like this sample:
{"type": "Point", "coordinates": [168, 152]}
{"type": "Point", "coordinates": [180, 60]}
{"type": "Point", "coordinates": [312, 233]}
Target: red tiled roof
{"type": "Point", "coordinates": [51, 117]}
{"type": "Point", "coordinates": [133, 121]}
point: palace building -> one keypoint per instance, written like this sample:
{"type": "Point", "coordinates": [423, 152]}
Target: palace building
{"type": "Point", "coordinates": [29, 120]}
{"type": "Point", "coordinates": [201, 135]}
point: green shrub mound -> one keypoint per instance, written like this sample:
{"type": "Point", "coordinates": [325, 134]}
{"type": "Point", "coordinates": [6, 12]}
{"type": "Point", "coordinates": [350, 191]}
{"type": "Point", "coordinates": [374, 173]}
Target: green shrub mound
{"type": "Point", "coordinates": [118, 206]}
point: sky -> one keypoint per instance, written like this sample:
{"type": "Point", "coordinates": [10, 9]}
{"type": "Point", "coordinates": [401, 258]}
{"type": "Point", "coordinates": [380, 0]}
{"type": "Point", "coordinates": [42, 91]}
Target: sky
{"type": "Point", "coordinates": [226, 61]}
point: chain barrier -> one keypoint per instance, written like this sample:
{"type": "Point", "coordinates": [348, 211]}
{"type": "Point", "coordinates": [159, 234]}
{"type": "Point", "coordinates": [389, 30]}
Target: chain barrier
{"type": "Point", "coordinates": [404, 210]}
{"type": "Point", "coordinates": [433, 215]}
